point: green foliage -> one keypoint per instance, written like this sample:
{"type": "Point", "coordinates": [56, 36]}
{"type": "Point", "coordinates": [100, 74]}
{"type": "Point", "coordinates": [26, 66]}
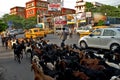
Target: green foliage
{"type": "Point", "coordinates": [118, 6]}
{"type": "Point", "coordinates": [89, 6]}
{"type": "Point", "coordinates": [19, 22]}
{"type": "Point", "coordinates": [110, 11]}
{"type": "Point", "coordinates": [101, 23]}
{"type": "Point", "coordinates": [30, 22]}
{"type": "Point", "coordinates": [3, 26]}
{"type": "Point", "coordinates": [16, 20]}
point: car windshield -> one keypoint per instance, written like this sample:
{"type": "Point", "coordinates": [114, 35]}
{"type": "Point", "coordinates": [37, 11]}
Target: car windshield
{"type": "Point", "coordinates": [35, 30]}
{"type": "Point", "coordinates": [11, 31]}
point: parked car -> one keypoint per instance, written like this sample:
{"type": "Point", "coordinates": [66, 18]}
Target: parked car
{"type": "Point", "coordinates": [104, 38]}
{"type": "Point", "coordinates": [34, 33]}
{"type": "Point", "coordinates": [12, 32]}
{"type": "Point", "coordinates": [20, 31]}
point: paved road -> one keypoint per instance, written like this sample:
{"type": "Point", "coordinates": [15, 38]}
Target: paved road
{"type": "Point", "coordinates": [57, 40]}
{"type": "Point", "coordinates": [15, 71]}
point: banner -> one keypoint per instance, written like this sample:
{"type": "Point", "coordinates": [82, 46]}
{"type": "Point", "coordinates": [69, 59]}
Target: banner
{"type": "Point", "coordinates": [81, 16]}
{"type": "Point", "coordinates": [54, 7]}
{"type": "Point", "coordinates": [88, 14]}
{"type": "Point", "coordinates": [60, 20]}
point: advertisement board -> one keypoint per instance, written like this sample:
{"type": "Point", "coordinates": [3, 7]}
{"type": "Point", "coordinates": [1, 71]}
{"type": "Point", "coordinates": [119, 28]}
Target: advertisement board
{"type": "Point", "coordinates": [55, 5]}
{"type": "Point", "coordinates": [81, 16]}
{"type": "Point", "coordinates": [99, 16]}
{"type": "Point", "coordinates": [88, 14]}
{"type": "Point", "coordinates": [60, 20]}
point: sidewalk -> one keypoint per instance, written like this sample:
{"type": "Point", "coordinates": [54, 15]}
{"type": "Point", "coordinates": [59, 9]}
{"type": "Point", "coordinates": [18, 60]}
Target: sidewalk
{"type": "Point", "coordinates": [3, 53]}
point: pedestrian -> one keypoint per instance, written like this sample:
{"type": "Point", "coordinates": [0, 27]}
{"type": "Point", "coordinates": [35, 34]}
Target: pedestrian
{"type": "Point", "coordinates": [64, 35]}
{"type": "Point", "coordinates": [70, 33]}
{"type": "Point", "coordinates": [3, 36]}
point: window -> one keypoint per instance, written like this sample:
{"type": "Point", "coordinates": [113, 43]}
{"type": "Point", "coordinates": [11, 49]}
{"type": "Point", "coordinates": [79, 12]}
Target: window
{"type": "Point", "coordinates": [31, 12]}
{"type": "Point", "coordinates": [97, 33]}
{"type": "Point", "coordinates": [109, 33]}
{"type": "Point", "coordinates": [30, 31]}
{"type": "Point", "coordinates": [35, 30]}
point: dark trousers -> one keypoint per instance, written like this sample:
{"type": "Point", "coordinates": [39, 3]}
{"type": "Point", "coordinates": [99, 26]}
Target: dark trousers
{"type": "Point", "coordinates": [3, 41]}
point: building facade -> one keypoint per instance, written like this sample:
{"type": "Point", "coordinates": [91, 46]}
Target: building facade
{"type": "Point", "coordinates": [36, 7]}
{"type": "Point", "coordinates": [17, 10]}
{"type": "Point", "coordinates": [80, 5]}
{"type": "Point", "coordinates": [40, 9]}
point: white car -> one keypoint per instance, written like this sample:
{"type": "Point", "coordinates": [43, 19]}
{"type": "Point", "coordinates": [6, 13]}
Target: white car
{"type": "Point", "coordinates": [13, 32]}
{"type": "Point", "coordinates": [105, 38]}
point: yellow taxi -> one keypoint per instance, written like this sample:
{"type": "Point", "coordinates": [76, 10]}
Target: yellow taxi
{"type": "Point", "coordinates": [93, 28]}
{"type": "Point", "coordinates": [34, 33]}
{"type": "Point", "coordinates": [99, 27]}
{"type": "Point", "coordinates": [47, 31]}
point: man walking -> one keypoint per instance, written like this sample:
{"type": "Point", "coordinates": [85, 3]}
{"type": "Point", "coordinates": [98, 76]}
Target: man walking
{"type": "Point", "coordinates": [64, 35]}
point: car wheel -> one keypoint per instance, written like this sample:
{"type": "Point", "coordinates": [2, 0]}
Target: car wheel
{"type": "Point", "coordinates": [83, 45]}
{"type": "Point", "coordinates": [114, 46]}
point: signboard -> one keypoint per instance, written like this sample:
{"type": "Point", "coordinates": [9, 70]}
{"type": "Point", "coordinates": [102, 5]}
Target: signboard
{"type": "Point", "coordinates": [60, 20]}
{"type": "Point", "coordinates": [10, 23]}
{"type": "Point", "coordinates": [54, 7]}
{"type": "Point", "coordinates": [81, 16]}
{"type": "Point", "coordinates": [99, 16]}
{"type": "Point", "coordinates": [63, 22]}
{"type": "Point", "coordinates": [88, 14]}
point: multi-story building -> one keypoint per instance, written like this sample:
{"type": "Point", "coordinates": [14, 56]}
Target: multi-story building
{"type": "Point", "coordinates": [17, 10]}
{"type": "Point", "coordinates": [36, 7]}
{"type": "Point", "coordinates": [40, 9]}
{"type": "Point", "coordinates": [80, 5]}
{"type": "Point", "coordinates": [82, 15]}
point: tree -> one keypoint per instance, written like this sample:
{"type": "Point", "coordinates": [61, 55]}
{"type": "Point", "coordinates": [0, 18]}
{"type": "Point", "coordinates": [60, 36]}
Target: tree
{"type": "Point", "coordinates": [29, 22]}
{"type": "Point", "coordinates": [110, 11]}
{"type": "Point", "coordinates": [3, 26]}
{"type": "Point", "coordinates": [119, 6]}
{"type": "Point", "coordinates": [19, 22]}
{"type": "Point", "coordinates": [15, 20]}
{"type": "Point", "coordinates": [89, 6]}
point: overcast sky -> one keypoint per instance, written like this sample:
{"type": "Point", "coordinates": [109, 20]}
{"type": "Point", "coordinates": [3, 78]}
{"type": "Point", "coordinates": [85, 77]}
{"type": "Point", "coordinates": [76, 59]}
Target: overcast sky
{"type": "Point", "coordinates": [5, 5]}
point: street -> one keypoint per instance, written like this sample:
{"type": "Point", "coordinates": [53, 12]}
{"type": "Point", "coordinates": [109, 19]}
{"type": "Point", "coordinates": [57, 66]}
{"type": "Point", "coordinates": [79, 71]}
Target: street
{"type": "Point", "coordinates": [12, 70]}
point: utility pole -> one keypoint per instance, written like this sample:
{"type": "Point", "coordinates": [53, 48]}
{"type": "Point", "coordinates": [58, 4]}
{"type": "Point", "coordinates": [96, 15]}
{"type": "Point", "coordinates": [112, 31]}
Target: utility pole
{"type": "Point", "coordinates": [38, 16]}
